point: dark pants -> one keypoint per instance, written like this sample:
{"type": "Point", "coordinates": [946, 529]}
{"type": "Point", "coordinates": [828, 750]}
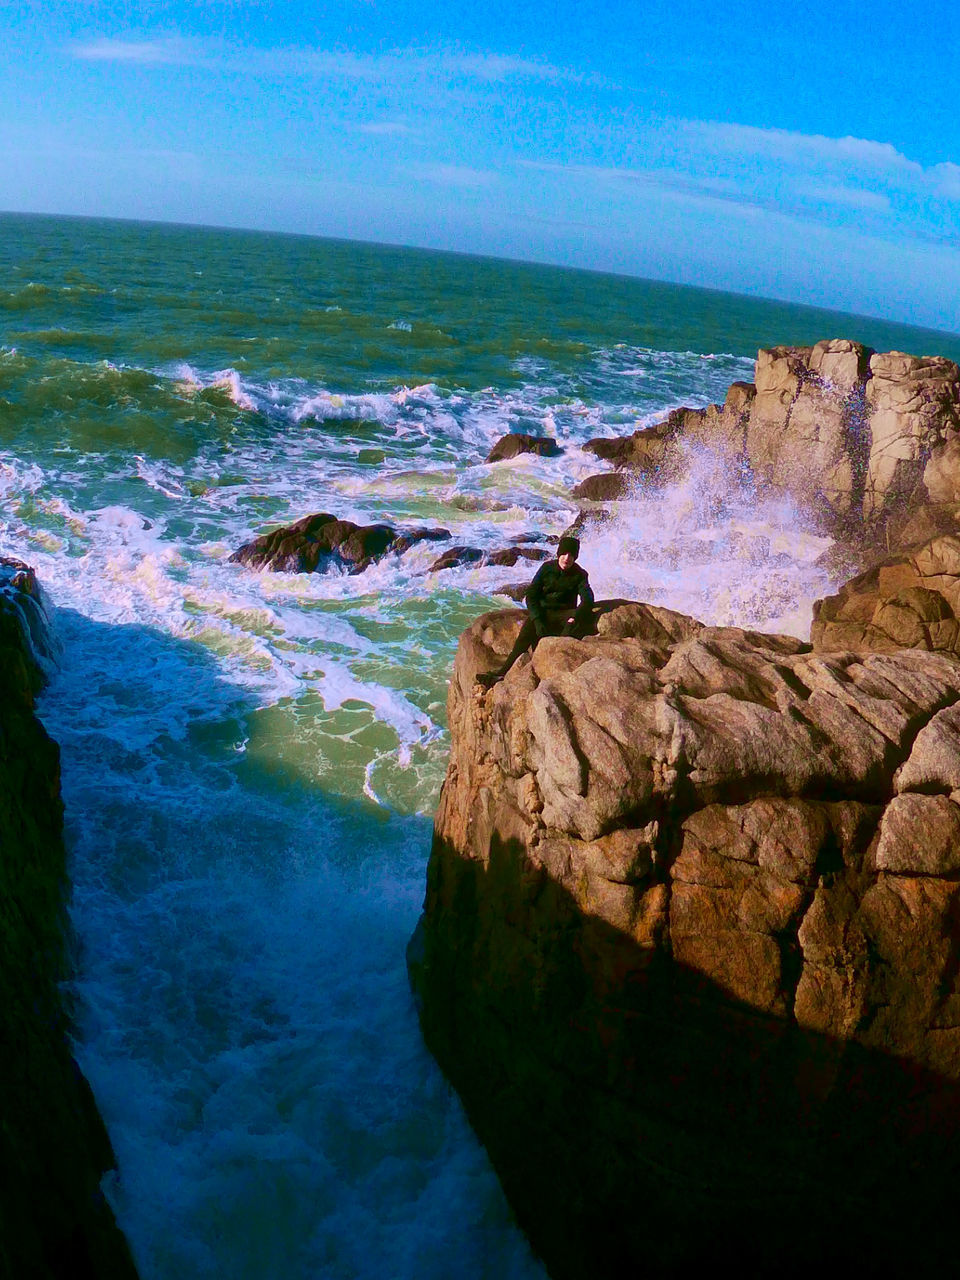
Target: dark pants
{"type": "Point", "coordinates": [557, 622]}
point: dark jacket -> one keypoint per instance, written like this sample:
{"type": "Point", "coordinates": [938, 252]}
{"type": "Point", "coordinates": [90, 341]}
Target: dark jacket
{"type": "Point", "coordinates": [555, 588]}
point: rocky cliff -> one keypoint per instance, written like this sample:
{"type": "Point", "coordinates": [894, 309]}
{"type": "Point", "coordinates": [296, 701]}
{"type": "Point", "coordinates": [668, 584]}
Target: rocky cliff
{"type": "Point", "coordinates": [54, 1222]}
{"type": "Point", "coordinates": [690, 950]}
{"type": "Point", "coordinates": [857, 436]}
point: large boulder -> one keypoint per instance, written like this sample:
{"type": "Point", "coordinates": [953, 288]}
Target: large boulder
{"type": "Point", "coordinates": [689, 948]}
{"type": "Point", "coordinates": [908, 599]}
{"type": "Point", "coordinates": [805, 428]}
{"type": "Point", "coordinates": [606, 486]}
{"type": "Point", "coordinates": [914, 407]}
{"type": "Point", "coordinates": [644, 451]}
{"type": "Point", "coordinates": [319, 542]}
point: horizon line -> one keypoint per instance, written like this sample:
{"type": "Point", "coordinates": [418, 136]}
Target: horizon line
{"type": "Point", "coordinates": [488, 257]}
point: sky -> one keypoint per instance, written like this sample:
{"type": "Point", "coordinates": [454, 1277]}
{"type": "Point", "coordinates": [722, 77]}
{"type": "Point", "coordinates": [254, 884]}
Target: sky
{"type": "Point", "coordinates": [805, 152]}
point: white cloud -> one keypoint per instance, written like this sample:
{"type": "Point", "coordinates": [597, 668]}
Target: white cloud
{"type": "Point", "coordinates": [848, 197]}
{"type": "Point", "coordinates": [398, 64]}
{"type": "Point", "coordinates": [141, 52]}
{"type": "Point", "coordinates": [665, 179]}
{"type": "Point", "coordinates": [802, 149]}
{"type": "Point", "coordinates": [409, 64]}
{"type": "Point", "coordinates": [493, 66]}
{"type": "Point", "coordinates": [452, 175]}
{"type": "Point", "coordinates": [388, 129]}
{"type": "Point", "coordinates": [811, 177]}
{"type": "Point", "coordinates": [945, 179]}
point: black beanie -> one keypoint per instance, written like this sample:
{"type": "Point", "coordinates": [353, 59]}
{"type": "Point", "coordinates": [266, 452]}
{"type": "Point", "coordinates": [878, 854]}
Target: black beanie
{"type": "Point", "coordinates": [568, 544]}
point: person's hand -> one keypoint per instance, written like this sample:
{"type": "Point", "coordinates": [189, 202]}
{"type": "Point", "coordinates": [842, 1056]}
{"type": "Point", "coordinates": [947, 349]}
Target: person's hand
{"type": "Point", "coordinates": [568, 627]}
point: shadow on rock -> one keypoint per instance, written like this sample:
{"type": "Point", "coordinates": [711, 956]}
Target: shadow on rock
{"type": "Point", "coordinates": [645, 1123]}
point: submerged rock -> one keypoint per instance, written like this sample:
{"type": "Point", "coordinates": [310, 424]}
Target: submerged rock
{"type": "Point", "coordinates": [456, 557]}
{"type": "Point", "coordinates": [509, 556]}
{"type": "Point", "coordinates": [689, 948]}
{"type": "Point", "coordinates": [54, 1220]}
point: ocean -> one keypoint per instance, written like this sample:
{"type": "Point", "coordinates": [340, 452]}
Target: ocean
{"type": "Point", "coordinates": [251, 759]}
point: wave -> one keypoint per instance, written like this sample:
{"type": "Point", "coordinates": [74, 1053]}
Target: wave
{"type": "Point", "coordinates": [35, 294]}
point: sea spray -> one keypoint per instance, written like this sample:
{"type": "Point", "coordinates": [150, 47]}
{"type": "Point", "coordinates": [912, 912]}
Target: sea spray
{"type": "Point", "coordinates": [708, 546]}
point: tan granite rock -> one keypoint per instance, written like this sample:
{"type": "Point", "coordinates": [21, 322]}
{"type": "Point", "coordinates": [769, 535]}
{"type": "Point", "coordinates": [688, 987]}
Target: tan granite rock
{"type": "Point", "coordinates": [907, 600]}
{"type": "Point", "coordinates": [693, 923]}
{"type": "Point", "coordinates": [859, 438]}
{"type": "Point", "coordinates": [913, 401]}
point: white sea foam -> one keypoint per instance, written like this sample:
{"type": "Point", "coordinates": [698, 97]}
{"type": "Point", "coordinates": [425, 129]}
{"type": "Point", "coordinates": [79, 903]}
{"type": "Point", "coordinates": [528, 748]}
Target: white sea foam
{"type": "Point", "coordinates": [164, 478]}
{"type": "Point", "coordinates": [477, 420]}
{"type": "Point", "coordinates": [327, 406]}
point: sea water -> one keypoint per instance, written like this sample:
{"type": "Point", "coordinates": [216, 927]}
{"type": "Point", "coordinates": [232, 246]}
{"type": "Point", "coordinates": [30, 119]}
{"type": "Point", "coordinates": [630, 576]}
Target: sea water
{"type": "Point", "coordinates": [251, 759]}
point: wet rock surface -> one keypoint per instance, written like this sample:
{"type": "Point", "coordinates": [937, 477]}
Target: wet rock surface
{"type": "Point", "coordinates": [318, 543]}
{"type": "Point", "coordinates": [690, 946]}
{"type": "Point", "coordinates": [515, 443]}
{"type": "Point", "coordinates": [457, 557]}
{"type": "Point", "coordinates": [54, 1221]}
{"type": "Point", "coordinates": [609, 486]}
{"type": "Point", "coordinates": [322, 541]}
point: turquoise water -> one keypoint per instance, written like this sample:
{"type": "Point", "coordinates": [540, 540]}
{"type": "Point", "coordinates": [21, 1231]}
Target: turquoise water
{"type": "Point", "coordinates": [250, 760]}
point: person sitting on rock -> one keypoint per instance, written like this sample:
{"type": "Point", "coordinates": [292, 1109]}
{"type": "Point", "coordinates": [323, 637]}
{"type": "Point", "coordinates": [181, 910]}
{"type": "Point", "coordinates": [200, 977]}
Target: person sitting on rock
{"type": "Point", "coordinates": [559, 603]}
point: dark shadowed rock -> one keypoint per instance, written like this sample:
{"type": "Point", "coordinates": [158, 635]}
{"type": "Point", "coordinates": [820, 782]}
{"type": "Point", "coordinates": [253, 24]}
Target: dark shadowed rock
{"type": "Point", "coordinates": [413, 536]}
{"type": "Point", "coordinates": [642, 451]}
{"type": "Point", "coordinates": [365, 544]}
{"type": "Point", "coordinates": [510, 555]}
{"type": "Point", "coordinates": [54, 1220]}
{"type": "Point", "coordinates": [454, 557]}
{"type": "Point", "coordinates": [512, 445]}
{"type": "Point", "coordinates": [318, 542]}
{"type": "Point", "coordinates": [461, 555]}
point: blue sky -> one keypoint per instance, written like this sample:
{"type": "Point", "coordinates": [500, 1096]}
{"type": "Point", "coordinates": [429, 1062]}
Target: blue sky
{"type": "Point", "coordinates": [808, 152]}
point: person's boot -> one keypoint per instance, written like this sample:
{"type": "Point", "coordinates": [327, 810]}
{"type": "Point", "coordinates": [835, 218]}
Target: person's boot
{"type": "Point", "coordinates": [489, 678]}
